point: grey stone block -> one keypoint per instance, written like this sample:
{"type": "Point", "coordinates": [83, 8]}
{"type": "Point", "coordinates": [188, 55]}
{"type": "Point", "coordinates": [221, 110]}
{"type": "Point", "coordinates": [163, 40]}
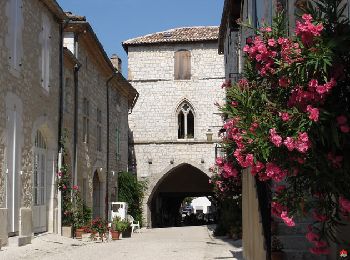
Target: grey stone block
{"type": "Point", "coordinates": [26, 222]}
{"type": "Point", "coordinates": [22, 241]}
{"type": "Point", "coordinates": [3, 227]}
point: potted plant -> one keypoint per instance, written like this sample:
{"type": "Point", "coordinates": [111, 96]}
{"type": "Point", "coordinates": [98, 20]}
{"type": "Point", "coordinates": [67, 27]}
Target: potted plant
{"type": "Point", "coordinates": [81, 214]}
{"type": "Point", "coordinates": [276, 249]}
{"type": "Point", "coordinates": [118, 226]}
{"type": "Point", "coordinates": [127, 231]}
{"type": "Point", "coordinates": [99, 226]}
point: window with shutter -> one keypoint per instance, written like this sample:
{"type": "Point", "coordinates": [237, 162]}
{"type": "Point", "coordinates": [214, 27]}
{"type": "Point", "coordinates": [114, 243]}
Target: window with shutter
{"type": "Point", "coordinates": [14, 37]}
{"type": "Point", "coordinates": [86, 113]}
{"type": "Point", "coordinates": [182, 65]}
{"type": "Point", "coordinates": [45, 52]}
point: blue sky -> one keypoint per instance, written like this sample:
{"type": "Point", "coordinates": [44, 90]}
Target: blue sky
{"type": "Point", "coordinates": [117, 20]}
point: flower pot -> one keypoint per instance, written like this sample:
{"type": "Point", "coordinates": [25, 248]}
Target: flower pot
{"type": "Point", "coordinates": [127, 233]}
{"type": "Point", "coordinates": [115, 235]}
{"type": "Point", "coordinates": [67, 231]}
{"type": "Point", "coordinates": [278, 255]}
{"type": "Point", "coordinates": [79, 233]}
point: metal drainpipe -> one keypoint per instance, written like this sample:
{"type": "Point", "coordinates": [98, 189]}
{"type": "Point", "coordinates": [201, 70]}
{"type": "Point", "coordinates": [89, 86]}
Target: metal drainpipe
{"type": "Point", "coordinates": [107, 147]}
{"type": "Point", "coordinates": [76, 106]}
{"type": "Point", "coordinates": [62, 26]}
{"type": "Point", "coordinates": [60, 104]}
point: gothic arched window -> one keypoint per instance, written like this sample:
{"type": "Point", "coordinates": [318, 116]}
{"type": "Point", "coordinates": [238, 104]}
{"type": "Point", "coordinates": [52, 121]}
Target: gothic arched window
{"type": "Point", "coordinates": [185, 117]}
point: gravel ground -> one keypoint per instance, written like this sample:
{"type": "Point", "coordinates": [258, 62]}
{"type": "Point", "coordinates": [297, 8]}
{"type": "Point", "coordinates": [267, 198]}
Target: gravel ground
{"type": "Point", "coordinates": [193, 243]}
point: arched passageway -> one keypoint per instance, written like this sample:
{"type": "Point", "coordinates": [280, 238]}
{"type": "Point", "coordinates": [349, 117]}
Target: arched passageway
{"type": "Point", "coordinates": [166, 198]}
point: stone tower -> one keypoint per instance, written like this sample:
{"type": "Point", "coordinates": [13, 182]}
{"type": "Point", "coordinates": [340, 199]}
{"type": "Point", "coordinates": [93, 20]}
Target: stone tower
{"type": "Point", "coordinates": [174, 125]}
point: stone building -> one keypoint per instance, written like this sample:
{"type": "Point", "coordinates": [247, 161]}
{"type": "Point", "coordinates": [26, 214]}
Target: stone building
{"type": "Point", "coordinates": [29, 94]}
{"type": "Point", "coordinates": [96, 147]}
{"type": "Point", "coordinates": [47, 90]}
{"type": "Point", "coordinates": [175, 123]}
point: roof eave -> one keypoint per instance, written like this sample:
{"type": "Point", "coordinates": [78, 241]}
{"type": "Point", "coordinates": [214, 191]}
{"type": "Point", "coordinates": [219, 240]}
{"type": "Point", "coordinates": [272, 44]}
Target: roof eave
{"type": "Point", "coordinates": [231, 12]}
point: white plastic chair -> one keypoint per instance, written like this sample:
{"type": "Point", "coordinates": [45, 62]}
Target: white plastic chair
{"type": "Point", "coordinates": [135, 225]}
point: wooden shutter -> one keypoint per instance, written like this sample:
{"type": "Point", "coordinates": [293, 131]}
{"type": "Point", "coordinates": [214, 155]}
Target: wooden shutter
{"type": "Point", "coordinates": [182, 65]}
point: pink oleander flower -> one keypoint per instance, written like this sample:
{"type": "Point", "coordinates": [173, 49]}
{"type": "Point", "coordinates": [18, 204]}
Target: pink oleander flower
{"type": "Point", "coordinates": [271, 42]}
{"type": "Point", "coordinates": [313, 113]}
{"type": "Point", "coordinates": [226, 84]}
{"type": "Point", "coordinates": [336, 160]}
{"type": "Point", "coordinates": [344, 204]}
{"type": "Point", "coordinates": [302, 144]}
{"type": "Point", "coordinates": [257, 167]}
{"type": "Point", "coordinates": [287, 220]}
{"type": "Point", "coordinates": [284, 116]}
{"type": "Point", "coordinates": [59, 174]}
{"type": "Point", "coordinates": [289, 143]}
{"type": "Point", "coordinates": [64, 187]}
{"type": "Point", "coordinates": [312, 237]}
{"type": "Point", "coordinates": [229, 171]}
{"type": "Point", "coordinates": [234, 103]}
{"type": "Point", "coordinates": [283, 82]}
{"type": "Point", "coordinates": [319, 217]}
{"type": "Point", "coordinates": [275, 138]}
{"type": "Point", "coordinates": [280, 188]}
{"type": "Point", "coordinates": [345, 129]}
{"type": "Point", "coordinates": [219, 161]}
{"type": "Point", "coordinates": [274, 172]}
{"type": "Point", "coordinates": [342, 120]}
{"type": "Point", "coordinates": [307, 30]}
{"type": "Point", "coordinates": [75, 187]}
{"type": "Point", "coordinates": [277, 208]}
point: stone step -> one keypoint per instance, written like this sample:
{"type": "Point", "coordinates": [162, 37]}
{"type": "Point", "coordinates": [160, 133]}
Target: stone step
{"type": "Point", "coordinates": [291, 254]}
{"type": "Point", "coordinates": [295, 242]}
{"type": "Point", "coordinates": [19, 241]}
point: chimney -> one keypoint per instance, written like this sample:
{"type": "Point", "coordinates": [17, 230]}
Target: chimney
{"type": "Point", "coordinates": [117, 62]}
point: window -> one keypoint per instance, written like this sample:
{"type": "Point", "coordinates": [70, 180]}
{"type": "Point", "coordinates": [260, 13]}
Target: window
{"type": "Point", "coordinates": [86, 113]}
{"type": "Point", "coordinates": [185, 117]}
{"type": "Point", "coordinates": [45, 52]}
{"type": "Point", "coordinates": [118, 144]}
{"type": "Point", "coordinates": [39, 169]}
{"type": "Point", "coordinates": [182, 70]}
{"type": "Point", "coordinates": [14, 39]}
{"type": "Point", "coordinates": [99, 130]}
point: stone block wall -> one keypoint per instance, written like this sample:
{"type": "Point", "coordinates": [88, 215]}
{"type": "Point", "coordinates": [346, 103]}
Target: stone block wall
{"type": "Point", "coordinates": [154, 121]}
{"type": "Point", "coordinates": [23, 88]}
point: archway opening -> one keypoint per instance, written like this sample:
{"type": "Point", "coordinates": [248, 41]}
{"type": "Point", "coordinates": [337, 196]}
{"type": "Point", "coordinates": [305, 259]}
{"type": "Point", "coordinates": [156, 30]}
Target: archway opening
{"type": "Point", "coordinates": [170, 192]}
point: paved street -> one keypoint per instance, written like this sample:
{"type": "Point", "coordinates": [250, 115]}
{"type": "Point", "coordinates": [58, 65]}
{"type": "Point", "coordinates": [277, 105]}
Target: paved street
{"type": "Point", "coordinates": [168, 243]}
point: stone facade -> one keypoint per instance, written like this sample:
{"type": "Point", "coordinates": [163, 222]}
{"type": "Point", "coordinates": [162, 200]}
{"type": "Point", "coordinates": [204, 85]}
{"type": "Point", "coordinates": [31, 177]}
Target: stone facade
{"type": "Point", "coordinates": [30, 81]}
{"type": "Point", "coordinates": [154, 121]}
{"type": "Point", "coordinates": [26, 107]}
{"type": "Point", "coordinates": [95, 79]}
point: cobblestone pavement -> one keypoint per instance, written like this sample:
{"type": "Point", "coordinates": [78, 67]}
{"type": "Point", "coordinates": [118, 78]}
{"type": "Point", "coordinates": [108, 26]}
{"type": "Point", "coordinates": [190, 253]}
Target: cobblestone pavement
{"type": "Point", "coordinates": [195, 243]}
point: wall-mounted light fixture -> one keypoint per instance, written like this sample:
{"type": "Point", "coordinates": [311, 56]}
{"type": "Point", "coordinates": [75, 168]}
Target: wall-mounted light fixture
{"type": "Point", "coordinates": [209, 134]}
{"type": "Point", "coordinates": [149, 160]}
{"type": "Point", "coordinates": [172, 161]}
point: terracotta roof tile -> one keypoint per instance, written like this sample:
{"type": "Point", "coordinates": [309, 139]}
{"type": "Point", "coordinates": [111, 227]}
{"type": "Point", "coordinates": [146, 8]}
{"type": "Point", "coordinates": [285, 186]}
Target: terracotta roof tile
{"type": "Point", "coordinates": [74, 17]}
{"type": "Point", "coordinates": [185, 34]}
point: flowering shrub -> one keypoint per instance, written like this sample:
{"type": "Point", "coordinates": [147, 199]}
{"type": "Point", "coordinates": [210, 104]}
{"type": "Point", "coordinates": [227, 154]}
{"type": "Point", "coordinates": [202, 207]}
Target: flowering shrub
{"type": "Point", "coordinates": [288, 120]}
